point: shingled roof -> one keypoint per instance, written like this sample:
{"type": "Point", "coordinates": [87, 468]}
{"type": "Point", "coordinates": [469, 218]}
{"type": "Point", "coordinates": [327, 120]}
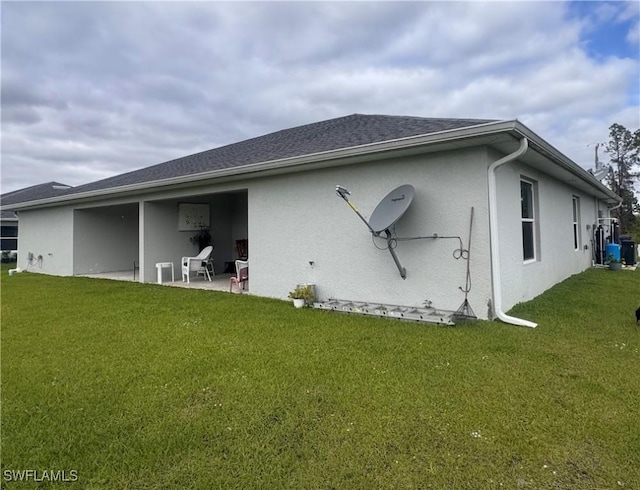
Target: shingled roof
{"type": "Point", "coordinates": [34, 193]}
{"type": "Point", "coordinates": [333, 134]}
{"type": "Point", "coordinates": [8, 216]}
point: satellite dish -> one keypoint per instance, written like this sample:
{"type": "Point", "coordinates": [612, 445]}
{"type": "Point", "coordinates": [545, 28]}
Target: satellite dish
{"type": "Point", "coordinates": [600, 173]}
{"type": "Point", "coordinates": [391, 208]}
{"type": "Point", "coordinates": [385, 215]}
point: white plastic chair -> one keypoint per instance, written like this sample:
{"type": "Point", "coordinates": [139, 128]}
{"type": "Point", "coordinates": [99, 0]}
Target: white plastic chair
{"type": "Point", "coordinates": [197, 264]}
{"type": "Point", "coordinates": [241, 277]}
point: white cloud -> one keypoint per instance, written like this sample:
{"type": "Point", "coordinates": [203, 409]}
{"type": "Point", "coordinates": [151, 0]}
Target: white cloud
{"type": "Point", "coordinates": [633, 35]}
{"type": "Point", "coordinates": [95, 89]}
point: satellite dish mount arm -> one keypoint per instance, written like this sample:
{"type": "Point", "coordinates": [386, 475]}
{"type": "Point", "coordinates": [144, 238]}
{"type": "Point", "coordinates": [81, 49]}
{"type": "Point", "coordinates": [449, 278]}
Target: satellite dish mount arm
{"type": "Point", "coordinates": [343, 193]}
{"type": "Point", "coordinates": [392, 251]}
{"type": "Point", "coordinates": [388, 222]}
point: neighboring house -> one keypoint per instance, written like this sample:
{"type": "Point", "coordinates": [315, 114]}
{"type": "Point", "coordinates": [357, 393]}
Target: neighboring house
{"type": "Point", "coordinates": [534, 210]}
{"type": "Point", "coordinates": [9, 235]}
{"type": "Point", "coordinates": [9, 228]}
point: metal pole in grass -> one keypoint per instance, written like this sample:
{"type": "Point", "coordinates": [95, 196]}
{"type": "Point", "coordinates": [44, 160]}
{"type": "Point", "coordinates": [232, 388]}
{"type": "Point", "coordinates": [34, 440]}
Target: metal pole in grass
{"type": "Point", "coordinates": [465, 312]}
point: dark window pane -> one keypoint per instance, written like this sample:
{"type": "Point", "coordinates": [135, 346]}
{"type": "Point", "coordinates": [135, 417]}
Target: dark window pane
{"type": "Point", "coordinates": [9, 231]}
{"type": "Point", "coordinates": [527, 240]}
{"type": "Point", "coordinates": [526, 198]}
{"type": "Point", "coordinates": [575, 236]}
{"type": "Point", "coordinates": [8, 244]}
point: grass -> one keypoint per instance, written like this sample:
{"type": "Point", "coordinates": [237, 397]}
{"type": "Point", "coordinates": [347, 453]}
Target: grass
{"type": "Point", "coordinates": [142, 386]}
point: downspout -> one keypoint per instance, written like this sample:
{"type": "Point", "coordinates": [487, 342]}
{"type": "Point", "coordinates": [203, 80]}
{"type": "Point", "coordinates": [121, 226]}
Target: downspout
{"type": "Point", "coordinates": [614, 220]}
{"type": "Point", "coordinates": [493, 232]}
{"type": "Point", "coordinates": [613, 208]}
{"type": "Point", "coordinates": [596, 207]}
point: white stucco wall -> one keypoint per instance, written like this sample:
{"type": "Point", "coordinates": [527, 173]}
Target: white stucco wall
{"type": "Point", "coordinates": [298, 219]}
{"type": "Point", "coordinates": [556, 258]}
{"type": "Point", "coordinates": [162, 240]}
{"type": "Point", "coordinates": [105, 239]}
{"type": "Point", "coordinates": [47, 232]}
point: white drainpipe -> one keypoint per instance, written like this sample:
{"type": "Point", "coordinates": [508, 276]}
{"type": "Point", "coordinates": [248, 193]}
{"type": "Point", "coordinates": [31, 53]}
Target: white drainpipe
{"type": "Point", "coordinates": [493, 231]}
{"type": "Point", "coordinates": [614, 207]}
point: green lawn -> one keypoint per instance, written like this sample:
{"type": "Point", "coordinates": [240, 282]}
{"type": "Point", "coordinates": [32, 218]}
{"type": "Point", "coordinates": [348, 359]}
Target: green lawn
{"type": "Point", "coordinates": [143, 386]}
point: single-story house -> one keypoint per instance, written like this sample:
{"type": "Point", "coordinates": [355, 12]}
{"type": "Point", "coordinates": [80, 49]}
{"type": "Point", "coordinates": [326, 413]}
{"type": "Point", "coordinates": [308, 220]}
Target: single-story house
{"type": "Point", "coordinates": [533, 213]}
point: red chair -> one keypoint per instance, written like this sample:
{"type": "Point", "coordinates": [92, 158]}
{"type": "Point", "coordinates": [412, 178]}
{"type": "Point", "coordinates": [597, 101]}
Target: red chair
{"type": "Point", "coordinates": [241, 277]}
{"type": "Point", "coordinates": [242, 248]}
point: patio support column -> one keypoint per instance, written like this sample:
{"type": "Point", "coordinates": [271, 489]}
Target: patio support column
{"type": "Point", "coordinates": [141, 225]}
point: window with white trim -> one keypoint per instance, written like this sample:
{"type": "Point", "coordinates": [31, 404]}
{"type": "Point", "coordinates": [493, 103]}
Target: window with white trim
{"type": "Point", "coordinates": [576, 222]}
{"type": "Point", "coordinates": [9, 237]}
{"type": "Point", "coordinates": [528, 206]}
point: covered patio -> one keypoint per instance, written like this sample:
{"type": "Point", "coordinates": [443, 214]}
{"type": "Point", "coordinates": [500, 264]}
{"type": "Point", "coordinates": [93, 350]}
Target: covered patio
{"type": "Point", "coordinates": [218, 282]}
{"type": "Point", "coordinates": [111, 241]}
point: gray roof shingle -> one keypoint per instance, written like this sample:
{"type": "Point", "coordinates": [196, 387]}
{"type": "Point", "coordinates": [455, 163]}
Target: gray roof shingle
{"type": "Point", "coordinates": [333, 134]}
{"type": "Point", "coordinates": [8, 215]}
{"type": "Point", "coordinates": [34, 193]}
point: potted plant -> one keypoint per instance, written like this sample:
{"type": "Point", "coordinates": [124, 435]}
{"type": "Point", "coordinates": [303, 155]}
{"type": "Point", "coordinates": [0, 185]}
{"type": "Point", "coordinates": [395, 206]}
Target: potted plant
{"type": "Point", "coordinates": [614, 263]}
{"type": "Point", "coordinates": [202, 238]}
{"type": "Point", "coordinates": [301, 295]}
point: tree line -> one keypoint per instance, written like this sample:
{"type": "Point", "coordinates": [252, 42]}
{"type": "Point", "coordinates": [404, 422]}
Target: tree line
{"type": "Point", "coordinates": [623, 149]}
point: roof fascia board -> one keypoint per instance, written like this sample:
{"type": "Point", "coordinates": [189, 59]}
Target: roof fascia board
{"type": "Point", "coordinates": [541, 146]}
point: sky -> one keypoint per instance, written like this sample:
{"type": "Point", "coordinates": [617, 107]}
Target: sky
{"type": "Point", "coordinates": [94, 89]}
